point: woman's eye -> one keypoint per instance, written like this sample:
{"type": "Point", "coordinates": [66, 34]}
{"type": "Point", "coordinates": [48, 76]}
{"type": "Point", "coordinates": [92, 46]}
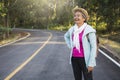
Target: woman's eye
{"type": "Point", "coordinates": [76, 15]}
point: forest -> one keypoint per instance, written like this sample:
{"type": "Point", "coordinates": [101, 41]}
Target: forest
{"type": "Point", "coordinates": [57, 14]}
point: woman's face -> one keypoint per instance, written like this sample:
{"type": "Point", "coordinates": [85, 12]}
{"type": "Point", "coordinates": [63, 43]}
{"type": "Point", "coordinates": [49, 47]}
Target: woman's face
{"type": "Point", "coordinates": [78, 18]}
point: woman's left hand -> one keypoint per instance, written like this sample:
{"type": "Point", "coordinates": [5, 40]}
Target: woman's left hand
{"type": "Point", "coordinates": [90, 68]}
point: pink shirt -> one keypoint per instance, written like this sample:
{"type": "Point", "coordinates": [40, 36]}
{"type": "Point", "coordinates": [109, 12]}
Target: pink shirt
{"type": "Point", "coordinates": [75, 52]}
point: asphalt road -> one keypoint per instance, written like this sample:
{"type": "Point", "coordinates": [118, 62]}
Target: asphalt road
{"type": "Point", "coordinates": [45, 56]}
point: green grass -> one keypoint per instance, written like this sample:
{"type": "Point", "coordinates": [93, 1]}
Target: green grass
{"type": "Point", "coordinates": [114, 36]}
{"type": "Point", "coordinates": [14, 36]}
{"type": "Point", "coordinates": [60, 27]}
{"type": "Point", "coordinates": [111, 42]}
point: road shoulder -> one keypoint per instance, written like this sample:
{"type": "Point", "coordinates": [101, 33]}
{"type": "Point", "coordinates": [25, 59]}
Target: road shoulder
{"type": "Point", "coordinates": [112, 54]}
{"type": "Point", "coordinates": [22, 35]}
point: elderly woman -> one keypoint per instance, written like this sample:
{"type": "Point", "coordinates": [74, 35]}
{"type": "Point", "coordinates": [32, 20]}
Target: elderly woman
{"type": "Point", "coordinates": [81, 39]}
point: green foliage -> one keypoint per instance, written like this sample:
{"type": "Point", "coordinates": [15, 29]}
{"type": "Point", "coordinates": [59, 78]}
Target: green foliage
{"type": "Point", "coordinates": [103, 13]}
{"type": "Point", "coordinates": [47, 14]}
{"type": "Point", "coordinates": [59, 27]}
{"type": "Point", "coordinates": [3, 10]}
{"type": "Point", "coordinates": [4, 30]}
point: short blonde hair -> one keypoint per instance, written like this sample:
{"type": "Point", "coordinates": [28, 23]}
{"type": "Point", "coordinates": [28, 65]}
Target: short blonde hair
{"type": "Point", "coordinates": [83, 11]}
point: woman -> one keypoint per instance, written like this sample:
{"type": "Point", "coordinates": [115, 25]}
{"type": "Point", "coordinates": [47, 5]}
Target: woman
{"type": "Point", "coordinates": [81, 39]}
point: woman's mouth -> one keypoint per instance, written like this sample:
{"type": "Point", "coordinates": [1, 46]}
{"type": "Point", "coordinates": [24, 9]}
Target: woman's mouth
{"type": "Point", "coordinates": [76, 19]}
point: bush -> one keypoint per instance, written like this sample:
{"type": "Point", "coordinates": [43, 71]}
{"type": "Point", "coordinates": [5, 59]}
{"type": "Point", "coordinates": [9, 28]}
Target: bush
{"type": "Point", "coordinates": [3, 31]}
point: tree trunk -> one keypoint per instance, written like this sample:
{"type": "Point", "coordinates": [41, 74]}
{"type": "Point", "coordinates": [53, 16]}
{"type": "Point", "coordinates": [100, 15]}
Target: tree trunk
{"type": "Point", "coordinates": [6, 18]}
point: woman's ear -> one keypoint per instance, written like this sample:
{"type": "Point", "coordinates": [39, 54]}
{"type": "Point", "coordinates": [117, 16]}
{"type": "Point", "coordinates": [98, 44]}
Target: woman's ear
{"type": "Point", "coordinates": [84, 19]}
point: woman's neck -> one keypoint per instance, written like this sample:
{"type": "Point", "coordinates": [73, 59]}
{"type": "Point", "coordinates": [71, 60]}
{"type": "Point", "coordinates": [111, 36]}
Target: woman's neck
{"type": "Point", "coordinates": [79, 25]}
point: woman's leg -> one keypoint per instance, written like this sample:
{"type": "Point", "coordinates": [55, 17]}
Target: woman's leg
{"type": "Point", "coordinates": [87, 75]}
{"type": "Point", "coordinates": [76, 69]}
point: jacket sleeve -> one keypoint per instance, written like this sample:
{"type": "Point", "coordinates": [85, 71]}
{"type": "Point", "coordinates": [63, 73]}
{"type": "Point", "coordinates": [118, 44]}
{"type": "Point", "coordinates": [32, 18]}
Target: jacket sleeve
{"type": "Point", "coordinates": [93, 48]}
{"type": "Point", "coordinates": [67, 38]}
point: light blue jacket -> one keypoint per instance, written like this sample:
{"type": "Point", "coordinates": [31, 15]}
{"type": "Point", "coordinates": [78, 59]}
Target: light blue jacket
{"type": "Point", "coordinates": [89, 46]}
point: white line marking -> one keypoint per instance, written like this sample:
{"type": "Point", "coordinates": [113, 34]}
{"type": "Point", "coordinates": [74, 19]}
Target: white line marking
{"type": "Point", "coordinates": [110, 58]}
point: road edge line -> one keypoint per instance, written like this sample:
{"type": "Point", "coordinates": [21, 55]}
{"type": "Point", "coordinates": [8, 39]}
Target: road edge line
{"type": "Point", "coordinates": [115, 62]}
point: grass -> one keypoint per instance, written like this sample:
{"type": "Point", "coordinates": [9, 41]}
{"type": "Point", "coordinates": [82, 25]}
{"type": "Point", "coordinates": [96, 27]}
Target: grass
{"type": "Point", "coordinates": [60, 27]}
{"type": "Point", "coordinates": [12, 37]}
{"type": "Point", "coordinates": [111, 42]}
{"type": "Point", "coordinates": [114, 36]}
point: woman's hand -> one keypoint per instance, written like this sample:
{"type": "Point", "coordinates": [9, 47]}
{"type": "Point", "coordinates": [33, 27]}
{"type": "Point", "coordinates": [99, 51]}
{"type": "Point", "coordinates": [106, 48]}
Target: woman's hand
{"type": "Point", "coordinates": [90, 68]}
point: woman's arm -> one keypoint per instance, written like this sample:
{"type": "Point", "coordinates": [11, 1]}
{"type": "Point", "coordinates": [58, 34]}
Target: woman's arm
{"type": "Point", "coordinates": [67, 38]}
{"type": "Point", "coordinates": [93, 48]}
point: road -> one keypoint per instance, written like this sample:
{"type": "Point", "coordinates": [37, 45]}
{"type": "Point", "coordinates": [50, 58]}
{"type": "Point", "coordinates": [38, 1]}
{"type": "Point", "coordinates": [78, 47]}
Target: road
{"type": "Point", "coordinates": [45, 56]}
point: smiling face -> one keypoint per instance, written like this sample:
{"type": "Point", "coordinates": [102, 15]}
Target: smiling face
{"type": "Point", "coordinates": [78, 18]}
